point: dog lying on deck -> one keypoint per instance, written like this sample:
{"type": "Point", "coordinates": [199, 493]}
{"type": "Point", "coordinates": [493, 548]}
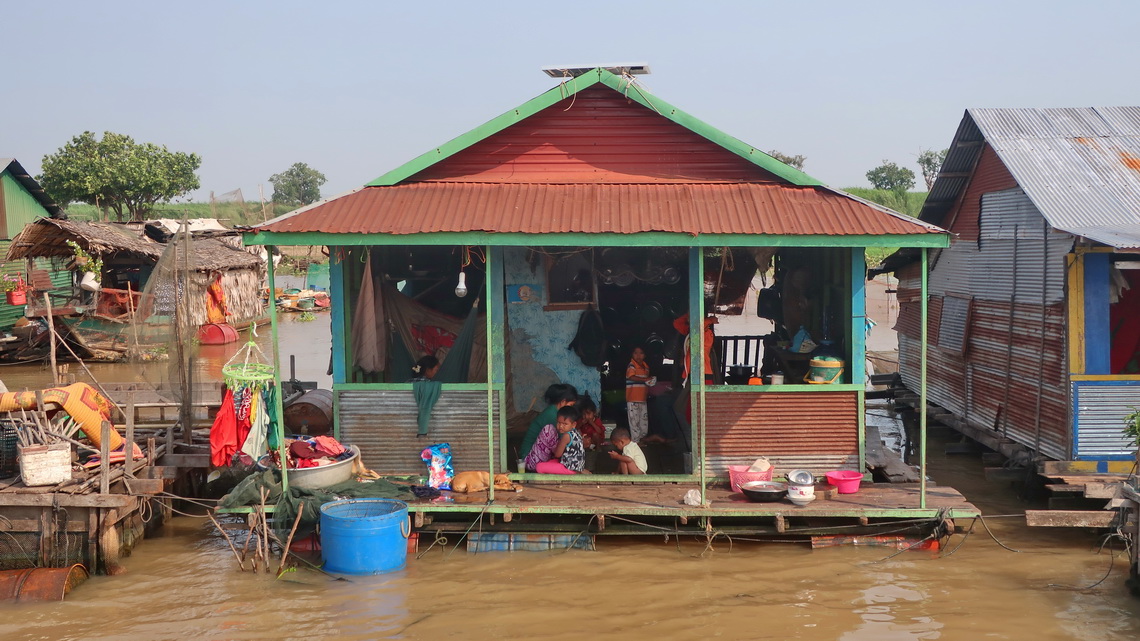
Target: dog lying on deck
{"type": "Point", "coordinates": [478, 481]}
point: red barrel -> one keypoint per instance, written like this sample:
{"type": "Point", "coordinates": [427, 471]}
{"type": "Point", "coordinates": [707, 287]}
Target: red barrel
{"type": "Point", "coordinates": [40, 584]}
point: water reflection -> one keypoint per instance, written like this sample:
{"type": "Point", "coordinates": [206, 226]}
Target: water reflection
{"type": "Point", "coordinates": [888, 613]}
{"type": "Point", "coordinates": [307, 341]}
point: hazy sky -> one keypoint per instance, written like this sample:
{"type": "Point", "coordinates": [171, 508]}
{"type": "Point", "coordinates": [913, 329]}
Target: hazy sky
{"type": "Point", "coordinates": [357, 88]}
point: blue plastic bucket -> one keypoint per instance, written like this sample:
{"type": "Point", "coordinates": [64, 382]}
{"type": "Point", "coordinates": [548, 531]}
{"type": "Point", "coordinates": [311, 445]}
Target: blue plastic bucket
{"type": "Point", "coordinates": [364, 536]}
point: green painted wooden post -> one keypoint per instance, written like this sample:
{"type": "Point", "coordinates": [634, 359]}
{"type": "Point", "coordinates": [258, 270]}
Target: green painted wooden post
{"type": "Point", "coordinates": [922, 384]}
{"type": "Point", "coordinates": [282, 451]}
{"type": "Point", "coordinates": [497, 342]}
{"type": "Point", "coordinates": [338, 292]}
{"type": "Point", "coordinates": [337, 326]}
{"type": "Point", "coordinates": [697, 356]}
{"type": "Point", "coordinates": [492, 347]}
{"type": "Point", "coordinates": [859, 343]}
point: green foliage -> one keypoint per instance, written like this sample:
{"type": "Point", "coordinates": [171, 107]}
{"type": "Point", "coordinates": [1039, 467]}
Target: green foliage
{"type": "Point", "coordinates": [930, 161]}
{"type": "Point", "coordinates": [1132, 427]}
{"type": "Point", "coordinates": [85, 262]}
{"type": "Point", "coordinates": [891, 176]}
{"type": "Point", "coordinates": [909, 203]}
{"type": "Point", "coordinates": [297, 185]}
{"type": "Point", "coordinates": [791, 161]}
{"type": "Point", "coordinates": [116, 173]}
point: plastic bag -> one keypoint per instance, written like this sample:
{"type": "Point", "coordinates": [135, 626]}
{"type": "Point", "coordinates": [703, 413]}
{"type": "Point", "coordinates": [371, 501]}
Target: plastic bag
{"type": "Point", "coordinates": [438, 459]}
{"type": "Point", "coordinates": [760, 465]}
{"type": "Point", "coordinates": [802, 342]}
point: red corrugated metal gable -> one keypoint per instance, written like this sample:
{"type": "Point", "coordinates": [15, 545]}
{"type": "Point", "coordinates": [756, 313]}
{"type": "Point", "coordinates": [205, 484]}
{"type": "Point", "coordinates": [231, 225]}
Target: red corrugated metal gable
{"type": "Point", "coordinates": [596, 136]}
{"type": "Point", "coordinates": [704, 208]}
{"type": "Point", "coordinates": [990, 175]}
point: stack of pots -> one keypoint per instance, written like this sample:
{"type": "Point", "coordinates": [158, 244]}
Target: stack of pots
{"type": "Point", "coordinates": [801, 487]}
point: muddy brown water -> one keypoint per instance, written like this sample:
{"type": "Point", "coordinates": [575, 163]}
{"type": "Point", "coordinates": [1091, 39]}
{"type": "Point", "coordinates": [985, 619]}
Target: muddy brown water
{"type": "Point", "coordinates": [184, 584]}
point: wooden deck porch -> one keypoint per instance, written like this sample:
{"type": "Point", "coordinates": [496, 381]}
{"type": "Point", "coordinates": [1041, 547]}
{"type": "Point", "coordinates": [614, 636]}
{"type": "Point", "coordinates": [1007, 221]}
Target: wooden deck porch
{"type": "Point", "coordinates": [643, 508]}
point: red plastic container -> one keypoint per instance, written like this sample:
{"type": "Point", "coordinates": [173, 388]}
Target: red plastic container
{"type": "Point", "coordinates": [845, 481]}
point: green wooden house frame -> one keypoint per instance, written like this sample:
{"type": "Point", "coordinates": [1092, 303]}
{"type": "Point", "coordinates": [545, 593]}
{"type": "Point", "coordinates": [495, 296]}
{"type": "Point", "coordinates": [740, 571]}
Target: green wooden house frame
{"type": "Point", "coordinates": [510, 184]}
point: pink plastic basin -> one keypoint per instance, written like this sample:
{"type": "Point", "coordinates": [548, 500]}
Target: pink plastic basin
{"type": "Point", "coordinates": [845, 481]}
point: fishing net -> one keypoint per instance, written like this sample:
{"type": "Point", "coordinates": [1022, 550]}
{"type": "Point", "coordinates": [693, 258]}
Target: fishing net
{"type": "Point", "coordinates": [164, 327]}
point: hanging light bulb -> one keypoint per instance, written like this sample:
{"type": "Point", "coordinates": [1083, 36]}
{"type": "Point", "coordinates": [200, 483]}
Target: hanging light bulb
{"type": "Point", "coordinates": [461, 287]}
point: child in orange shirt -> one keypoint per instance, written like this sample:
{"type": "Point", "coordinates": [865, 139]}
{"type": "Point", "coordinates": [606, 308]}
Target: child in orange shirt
{"type": "Point", "coordinates": [636, 394]}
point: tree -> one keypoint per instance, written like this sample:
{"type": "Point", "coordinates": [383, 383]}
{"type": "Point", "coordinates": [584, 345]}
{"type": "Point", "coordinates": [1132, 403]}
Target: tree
{"type": "Point", "coordinates": [930, 161]}
{"type": "Point", "coordinates": [118, 174]}
{"type": "Point", "coordinates": [791, 161]}
{"type": "Point", "coordinates": [297, 185]}
{"type": "Point", "coordinates": [891, 177]}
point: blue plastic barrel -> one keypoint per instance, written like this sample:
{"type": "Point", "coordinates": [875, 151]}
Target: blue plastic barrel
{"type": "Point", "coordinates": [364, 536]}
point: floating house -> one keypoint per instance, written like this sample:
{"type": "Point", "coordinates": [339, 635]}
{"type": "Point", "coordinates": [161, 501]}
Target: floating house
{"type": "Point", "coordinates": [598, 196]}
{"type": "Point", "coordinates": [1034, 309]}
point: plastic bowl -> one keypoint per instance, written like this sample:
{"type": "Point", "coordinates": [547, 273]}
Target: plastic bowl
{"type": "Point", "coordinates": [801, 500]}
{"type": "Point", "coordinates": [845, 481]}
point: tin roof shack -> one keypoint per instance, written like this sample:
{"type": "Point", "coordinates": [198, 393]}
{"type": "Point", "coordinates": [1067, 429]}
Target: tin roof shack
{"type": "Point", "coordinates": [22, 200]}
{"type": "Point", "coordinates": [129, 256]}
{"type": "Point", "coordinates": [594, 193]}
{"type": "Point", "coordinates": [1035, 308]}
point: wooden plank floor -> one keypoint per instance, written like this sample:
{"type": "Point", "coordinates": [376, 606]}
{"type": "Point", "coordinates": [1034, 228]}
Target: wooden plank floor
{"type": "Point", "coordinates": [871, 501]}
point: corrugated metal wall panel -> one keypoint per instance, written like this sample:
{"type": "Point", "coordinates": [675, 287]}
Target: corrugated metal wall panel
{"type": "Point", "coordinates": [1099, 409]}
{"type": "Point", "coordinates": [985, 269]}
{"type": "Point", "coordinates": [990, 175]}
{"type": "Point", "coordinates": [20, 206]}
{"type": "Point", "coordinates": [9, 314]}
{"type": "Point", "coordinates": [741, 426]}
{"type": "Point", "coordinates": [934, 318]}
{"type": "Point", "coordinates": [992, 366]}
{"type": "Point", "coordinates": [974, 385]}
{"type": "Point", "coordinates": [383, 424]}
{"type": "Point", "coordinates": [952, 326]}
{"type": "Point", "coordinates": [782, 464]}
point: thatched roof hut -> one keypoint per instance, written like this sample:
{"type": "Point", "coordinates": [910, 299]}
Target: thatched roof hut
{"type": "Point", "coordinates": [123, 248]}
{"type": "Point", "coordinates": [48, 238]}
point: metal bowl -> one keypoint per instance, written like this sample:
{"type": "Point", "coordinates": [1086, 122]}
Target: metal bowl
{"type": "Point", "coordinates": [800, 477]}
{"type": "Point", "coordinates": [764, 491]}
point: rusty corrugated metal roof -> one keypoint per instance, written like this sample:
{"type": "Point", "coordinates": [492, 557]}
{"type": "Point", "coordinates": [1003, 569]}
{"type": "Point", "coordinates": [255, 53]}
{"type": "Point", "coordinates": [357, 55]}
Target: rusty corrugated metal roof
{"type": "Point", "coordinates": [712, 208]}
{"type": "Point", "coordinates": [1080, 167]}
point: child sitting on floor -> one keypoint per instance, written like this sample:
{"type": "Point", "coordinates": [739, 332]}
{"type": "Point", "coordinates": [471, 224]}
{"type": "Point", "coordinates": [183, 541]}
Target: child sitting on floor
{"type": "Point", "coordinates": [631, 459]}
{"type": "Point", "coordinates": [559, 448]}
{"type": "Point", "coordinates": [589, 425]}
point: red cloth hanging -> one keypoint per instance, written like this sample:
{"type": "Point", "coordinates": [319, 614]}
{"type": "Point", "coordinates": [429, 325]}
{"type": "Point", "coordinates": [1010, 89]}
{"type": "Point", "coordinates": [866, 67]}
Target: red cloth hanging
{"type": "Point", "coordinates": [228, 433]}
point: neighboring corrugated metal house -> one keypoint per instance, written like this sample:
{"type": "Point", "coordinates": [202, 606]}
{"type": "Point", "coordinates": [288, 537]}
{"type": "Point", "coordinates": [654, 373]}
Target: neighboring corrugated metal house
{"type": "Point", "coordinates": [22, 201]}
{"type": "Point", "coordinates": [1035, 323]}
{"type": "Point", "coordinates": [597, 194]}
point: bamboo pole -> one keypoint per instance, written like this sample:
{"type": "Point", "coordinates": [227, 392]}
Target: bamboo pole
{"type": "Point", "coordinates": [52, 337]}
{"type": "Point", "coordinates": [104, 457]}
{"type": "Point", "coordinates": [279, 428]}
{"type": "Point", "coordinates": [289, 541]}
{"type": "Point", "coordinates": [129, 445]}
{"type": "Point", "coordinates": [233, 547]}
